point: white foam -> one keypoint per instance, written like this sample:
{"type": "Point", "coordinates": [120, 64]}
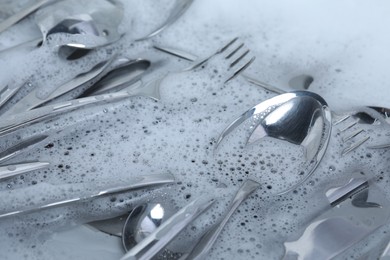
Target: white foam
{"type": "Point", "coordinates": [104, 143]}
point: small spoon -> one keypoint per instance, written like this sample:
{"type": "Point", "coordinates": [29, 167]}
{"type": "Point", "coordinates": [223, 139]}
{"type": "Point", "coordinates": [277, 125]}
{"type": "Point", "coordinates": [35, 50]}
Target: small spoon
{"type": "Point", "coordinates": [144, 220]}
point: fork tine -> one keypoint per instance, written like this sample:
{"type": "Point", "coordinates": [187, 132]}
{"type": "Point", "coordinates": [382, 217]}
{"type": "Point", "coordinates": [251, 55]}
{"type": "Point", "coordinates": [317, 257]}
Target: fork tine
{"type": "Point", "coordinates": [224, 48]}
{"type": "Point", "coordinates": [234, 51]}
{"type": "Point", "coordinates": [203, 61]}
{"type": "Point", "coordinates": [353, 135]}
{"type": "Point", "coordinates": [241, 69]}
{"type": "Point", "coordinates": [349, 126]}
{"type": "Point", "coordinates": [239, 58]}
{"type": "Point", "coordinates": [354, 146]}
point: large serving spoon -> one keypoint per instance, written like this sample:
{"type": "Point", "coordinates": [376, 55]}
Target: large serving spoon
{"type": "Point", "coordinates": [301, 118]}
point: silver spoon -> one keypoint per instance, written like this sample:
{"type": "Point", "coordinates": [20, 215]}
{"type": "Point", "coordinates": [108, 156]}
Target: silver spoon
{"type": "Point", "coordinates": [143, 221]}
{"type": "Point", "coordinates": [98, 20]}
{"type": "Point", "coordinates": [301, 118]}
{"type": "Point", "coordinates": [163, 235]}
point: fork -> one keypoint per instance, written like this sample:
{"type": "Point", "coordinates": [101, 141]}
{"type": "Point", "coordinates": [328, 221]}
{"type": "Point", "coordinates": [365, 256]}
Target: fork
{"type": "Point", "coordinates": [233, 63]}
{"type": "Point", "coordinates": [354, 135]}
{"type": "Point", "coordinates": [232, 58]}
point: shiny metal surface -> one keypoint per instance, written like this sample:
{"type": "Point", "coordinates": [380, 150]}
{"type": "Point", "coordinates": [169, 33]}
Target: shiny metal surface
{"type": "Point", "coordinates": [159, 238]}
{"type": "Point", "coordinates": [353, 128]}
{"type": "Point", "coordinates": [179, 9]}
{"type": "Point", "coordinates": [136, 183]}
{"type": "Point", "coordinates": [340, 227]}
{"type": "Point", "coordinates": [12, 170]}
{"type": "Point", "coordinates": [205, 243]}
{"type": "Point", "coordinates": [102, 19]}
{"type": "Point", "coordinates": [301, 118]}
{"type": "Point", "coordinates": [21, 146]}
{"type": "Point", "coordinates": [33, 99]}
{"type": "Point", "coordinates": [4, 25]}
{"type": "Point", "coordinates": [142, 221]}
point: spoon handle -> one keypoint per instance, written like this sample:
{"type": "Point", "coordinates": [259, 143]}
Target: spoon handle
{"type": "Point", "coordinates": [179, 9]}
{"type": "Point", "coordinates": [20, 15]}
{"type": "Point", "coordinates": [17, 121]}
{"type": "Point", "coordinates": [32, 99]}
{"type": "Point", "coordinates": [137, 183]}
{"type": "Point", "coordinates": [207, 240]}
{"type": "Point", "coordinates": [164, 234]}
{"type": "Point", "coordinates": [16, 169]}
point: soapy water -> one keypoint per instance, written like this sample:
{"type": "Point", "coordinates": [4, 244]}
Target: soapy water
{"type": "Point", "coordinates": [106, 144]}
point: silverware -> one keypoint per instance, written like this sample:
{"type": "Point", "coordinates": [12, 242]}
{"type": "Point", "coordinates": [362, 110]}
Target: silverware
{"type": "Point", "coordinates": [142, 221]}
{"type": "Point", "coordinates": [164, 234]}
{"type": "Point", "coordinates": [301, 118]}
{"type": "Point", "coordinates": [12, 170]}
{"type": "Point", "coordinates": [137, 183]}
{"type": "Point", "coordinates": [206, 242]}
{"type": "Point", "coordinates": [33, 99]}
{"type": "Point", "coordinates": [353, 126]}
{"type": "Point", "coordinates": [21, 146]}
{"type": "Point", "coordinates": [343, 225]}
{"type": "Point", "coordinates": [4, 25]}
{"type": "Point", "coordinates": [179, 9]}
{"type": "Point", "coordinates": [7, 92]}
{"type": "Point", "coordinates": [149, 88]}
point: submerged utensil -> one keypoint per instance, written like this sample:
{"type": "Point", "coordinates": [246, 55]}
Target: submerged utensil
{"type": "Point", "coordinates": [114, 73]}
{"type": "Point", "coordinates": [160, 237]}
{"type": "Point", "coordinates": [137, 183]}
{"type": "Point", "coordinates": [35, 99]}
{"type": "Point", "coordinates": [98, 20]}
{"type": "Point", "coordinates": [179, 9]}
{"type": "Point", "coordinates": [4, 25]}
{"type": "Point", "coordinates": [301, 118]}
{"type": "Point", "coordinates": [8, 171]}
{"type": "Point", "coordinates": [342, 226]}
{"type": "Point", "coordinates": [206, 242]}
{"type": "Point", "coordinates": [142, 221]}
{"type": "Point", "coordinates": [21, 146]}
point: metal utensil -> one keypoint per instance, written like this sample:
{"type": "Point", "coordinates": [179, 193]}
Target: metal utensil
{"type": "Point", "coordinates": [353, 127]}
{"type": "Point", "coordinates": [136, 183]}
{"type": "Point", "coordinates": [343, 225]}
{"type": "Point", "coordinates": [33, 99]}
{"type": "Point", "coordinates": [206, 242]}
{"type": "Point", "coordinates": [142, 221]}
{"type": "Point", "coordinates": [4, 25]}
{"type": "Point", "coordinates": [301, 118]}
{"type": "Point", "coordinates": [99, 18]}
{"type": "Point", "coordinates": [12, 170]}
{"type": "Point", "coordinates": [179, 9]}
{"type": "Point", "coordinates": [300, 82]}
{"type": "Point", "coordinates": [164, 234]}
{"type": "Point", "coordinates": [21, 146]}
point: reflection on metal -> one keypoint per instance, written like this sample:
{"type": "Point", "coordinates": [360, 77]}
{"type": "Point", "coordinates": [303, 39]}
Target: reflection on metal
{"type": "Point", "coordinates": [301, 118]}
{"type": "Point", "coordinates": [359, 208]}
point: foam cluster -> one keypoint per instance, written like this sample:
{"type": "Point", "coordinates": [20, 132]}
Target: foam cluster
{"type": "Point", "coordinates": [109, 144]}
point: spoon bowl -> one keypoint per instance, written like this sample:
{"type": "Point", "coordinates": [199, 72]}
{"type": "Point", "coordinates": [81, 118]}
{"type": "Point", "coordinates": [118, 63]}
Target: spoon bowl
{"type": "Point", "coordinates": [301, 118]}
{"type": "Point", "coordinates": [142, 221]}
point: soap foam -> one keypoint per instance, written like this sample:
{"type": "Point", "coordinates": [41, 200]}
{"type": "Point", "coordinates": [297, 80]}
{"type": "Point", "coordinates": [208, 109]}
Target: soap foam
{"type": "Point", "coordinates": [102, 145]}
